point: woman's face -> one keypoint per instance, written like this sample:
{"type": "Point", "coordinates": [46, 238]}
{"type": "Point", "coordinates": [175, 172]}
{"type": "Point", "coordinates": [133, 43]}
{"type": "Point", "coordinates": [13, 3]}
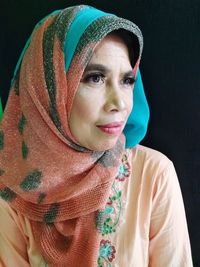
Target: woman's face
{"type": "Point", "coordinates": [103, 101]}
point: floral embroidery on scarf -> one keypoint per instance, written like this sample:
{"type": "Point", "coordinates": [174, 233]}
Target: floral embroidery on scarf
{"type": "Point", "coordinates": [108, 219]}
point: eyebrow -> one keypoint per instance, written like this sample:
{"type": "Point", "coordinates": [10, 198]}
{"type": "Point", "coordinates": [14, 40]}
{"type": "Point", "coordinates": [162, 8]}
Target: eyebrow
{"type": "Point", "coordinates": [98, 67]}
{"type": "Point", "coordinates": [104, 69]}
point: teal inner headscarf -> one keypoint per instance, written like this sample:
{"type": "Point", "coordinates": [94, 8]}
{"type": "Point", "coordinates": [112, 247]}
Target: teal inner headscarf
{"type": "Point", "coordinates": [136, 126]}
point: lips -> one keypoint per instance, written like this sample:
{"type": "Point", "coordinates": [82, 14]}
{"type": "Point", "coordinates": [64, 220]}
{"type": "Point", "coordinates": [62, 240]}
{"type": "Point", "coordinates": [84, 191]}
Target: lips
{"type": "Point", "coordinates": [114, 128]}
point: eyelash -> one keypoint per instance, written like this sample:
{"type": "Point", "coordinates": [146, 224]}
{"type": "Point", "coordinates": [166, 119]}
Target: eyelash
{"type": "Point", "coordinates": [92, 76]}
{"type": "Point", "coordinates": [130, 79]}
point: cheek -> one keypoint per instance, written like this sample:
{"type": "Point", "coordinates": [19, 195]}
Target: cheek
{"type": "Point", "coordinates": [129, 102]}
{"type": "Point", "coordinates": [84, 107]}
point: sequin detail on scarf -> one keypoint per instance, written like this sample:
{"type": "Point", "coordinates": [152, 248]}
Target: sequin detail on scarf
{"type": "Point", "coordinates": [108, 220]}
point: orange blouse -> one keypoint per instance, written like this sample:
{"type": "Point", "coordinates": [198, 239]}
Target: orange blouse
{"type": "Point", "coordinates": [152, 230]}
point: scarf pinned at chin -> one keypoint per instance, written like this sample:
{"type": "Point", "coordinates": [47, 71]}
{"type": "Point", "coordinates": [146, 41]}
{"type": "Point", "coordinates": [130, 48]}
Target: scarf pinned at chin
{"type": "Point", "coordinates": [54, 182]}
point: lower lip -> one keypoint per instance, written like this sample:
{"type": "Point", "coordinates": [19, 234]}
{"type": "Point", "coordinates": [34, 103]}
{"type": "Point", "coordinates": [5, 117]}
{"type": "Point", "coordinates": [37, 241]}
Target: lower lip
{"type": "Point", "coordinates": [111, 130]}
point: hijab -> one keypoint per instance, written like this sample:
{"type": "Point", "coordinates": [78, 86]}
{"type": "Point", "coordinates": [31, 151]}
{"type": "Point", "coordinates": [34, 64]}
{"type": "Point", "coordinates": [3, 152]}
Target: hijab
{"type": "Point", "coordinates": [44, 174]}
{"type": "Point", "coordinates": [1, 110]}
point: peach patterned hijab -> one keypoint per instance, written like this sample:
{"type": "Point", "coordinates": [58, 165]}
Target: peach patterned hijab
{"type": "Point", "coordinates": [54, 182]}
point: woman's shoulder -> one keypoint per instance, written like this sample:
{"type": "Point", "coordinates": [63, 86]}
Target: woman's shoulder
{"type": "Point", "coordinates": [5, 208]}
{"type": "Point", "coordinates": [7, 214]}
{"type": "Point", "coordinates": [10, 217]}
{"type": "Point", "coordinates": [150, 159]}
{"type": "Point", "coordinates": [152, 172]}
{"type": "Point", "coordinates": [150, 154]}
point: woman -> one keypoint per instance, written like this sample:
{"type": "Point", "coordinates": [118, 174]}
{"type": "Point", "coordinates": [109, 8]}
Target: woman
{"type": "Point", "coordinates": [72, 194]}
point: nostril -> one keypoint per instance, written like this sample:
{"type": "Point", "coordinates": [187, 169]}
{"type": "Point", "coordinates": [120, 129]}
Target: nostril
{"type": "Point", "coordinates": [114, 110]}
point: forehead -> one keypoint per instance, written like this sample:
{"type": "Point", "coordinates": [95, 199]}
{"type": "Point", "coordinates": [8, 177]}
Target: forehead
{"type": "Point", "coordinates": [111, 46]}
{"type": "Point", "coordinates": [111, 40]}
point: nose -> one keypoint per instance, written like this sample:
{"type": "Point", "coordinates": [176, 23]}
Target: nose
{"type": "Point", "coordinates": [115, 101]}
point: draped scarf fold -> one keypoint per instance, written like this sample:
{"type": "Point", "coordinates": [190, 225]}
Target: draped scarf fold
{"type": "Point", "coordinates": [44, 174]}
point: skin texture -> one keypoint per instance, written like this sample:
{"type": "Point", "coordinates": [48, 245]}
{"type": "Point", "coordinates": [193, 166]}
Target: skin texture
{"type": "Point", "coordinates": [104, 96]}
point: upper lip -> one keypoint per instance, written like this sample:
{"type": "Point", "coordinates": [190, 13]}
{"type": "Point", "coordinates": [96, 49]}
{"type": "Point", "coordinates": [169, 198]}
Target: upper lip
{"type": "Point", "coordinates": [112, 124]}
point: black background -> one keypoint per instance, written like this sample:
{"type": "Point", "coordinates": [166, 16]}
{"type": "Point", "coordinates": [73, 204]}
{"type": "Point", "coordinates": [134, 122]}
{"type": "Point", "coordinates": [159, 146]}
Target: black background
{"type": "Point", "coordinates": [170, 69]}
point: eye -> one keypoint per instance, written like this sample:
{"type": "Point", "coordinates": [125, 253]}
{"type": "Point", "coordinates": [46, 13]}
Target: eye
{"type": "Point", "coordinates": [94, 78]}
{"type": "Point", "coordinates": [129, 81]}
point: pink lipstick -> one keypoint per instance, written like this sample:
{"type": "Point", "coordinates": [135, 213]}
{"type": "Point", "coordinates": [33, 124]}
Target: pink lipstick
{"type": "Point", "coordinates": [114, 128]}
